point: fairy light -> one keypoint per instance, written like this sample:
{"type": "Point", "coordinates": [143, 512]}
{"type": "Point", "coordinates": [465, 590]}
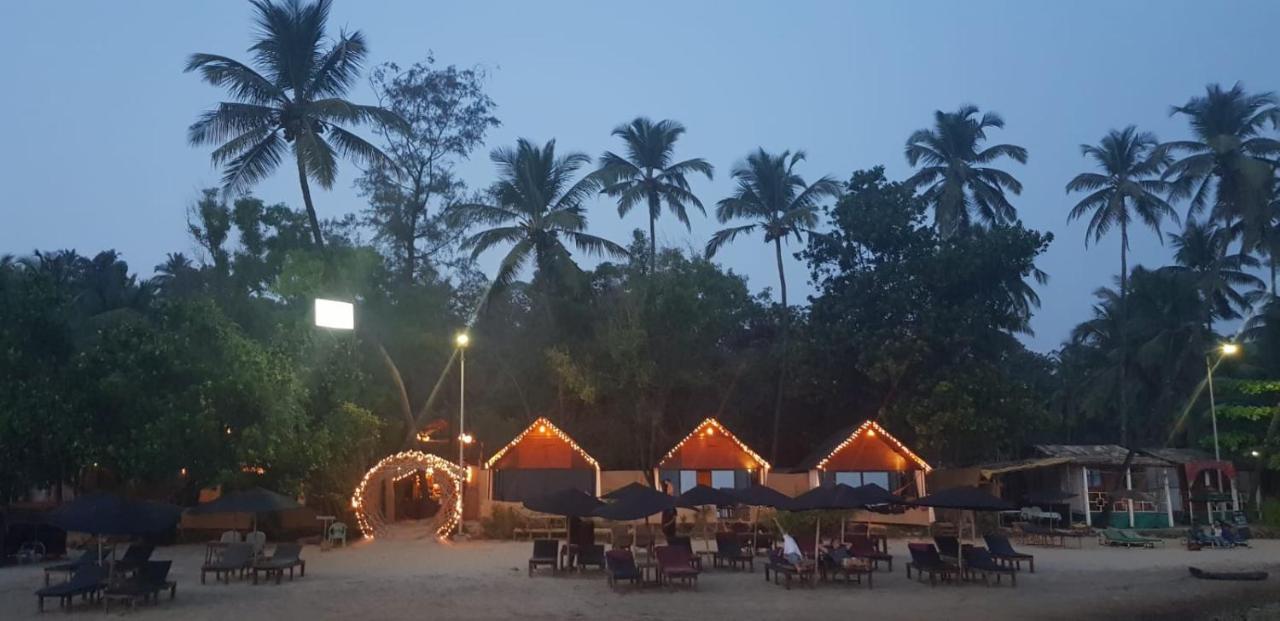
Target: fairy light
{"type": "Point", "coordinates": [709, 427]}
{"type": "Point", "coordinates": [371, 521]}
{"type": "Point", "coordinates": [542, 426]}
{"type": "Point", "coordinates": [871, 429]}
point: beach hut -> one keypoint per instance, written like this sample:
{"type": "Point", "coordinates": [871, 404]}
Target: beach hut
{"type": "Point", "coordinates": [711, 455]}
{"type": "Point", "coordinates": [540, 460]}
{"type": "Point", "coordinates": [867, 453]}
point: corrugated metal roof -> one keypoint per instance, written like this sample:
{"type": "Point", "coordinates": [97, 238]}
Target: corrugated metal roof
{"type": "Point", "coordinates": [1179, 455]}
{"type": "Point", "coordinates": [1097, 454]}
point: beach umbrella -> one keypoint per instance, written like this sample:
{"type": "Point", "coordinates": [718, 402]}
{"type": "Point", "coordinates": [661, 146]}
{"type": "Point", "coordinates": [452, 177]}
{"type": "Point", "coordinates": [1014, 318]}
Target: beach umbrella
{"type": "Point", "coordinates": [253, 501]}
{"type": "Point", "coordinates": [758, 496]}
{"type": "Point", "coordinates": [103, 513]}
{"type": "Point", "coordinates": [636, 504]}
{"type": "Point", "coordinates": [839, 497]}
{"type": "Point", "coordinates": [705, 496]}
{"type": "Point", "coordinates": [627, 490]}
{"type": "Point", "coordinates": [965, 499]}
{"type": "Point", "coordinates": [570, 502]}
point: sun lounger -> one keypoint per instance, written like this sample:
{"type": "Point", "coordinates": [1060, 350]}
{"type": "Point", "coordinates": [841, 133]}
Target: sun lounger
{"type": "Point", "coordinates": [151, 578]}
{"type": "Point", "coordinates": [862, 546]}
{"type": "Point", "coordinates": [545, 553]}
{"type": "Point", "coordinates": [1115, 537]}
{"type": "Point", "coordinates": [621, 565]}
{"type": "Point", "coordinates": [134, 557]}
{"type": "Point", "coordinates": [839, 562]}
{"type": "Point", "coordinates": [947, 546]}
{"type": "Point", "coordinates": [1002, 551]}
{"type": "Point", "coordinates": [731, 552]}
{"type": "Point", "coordinates": [236, 559]}
{"type": "Point", "coordinates": [592, 555]}
{"type": "Point", "coordinates": [89, 556]}
{"type": "Point", "coordinates": [780, 567]}
{"type": "Point", "coordinates": [926, 560]}
{"type": "Point", "coordinates": [87, 582]}
{"type": "Point", "coordinates": [980, 561]}
{"type": "Point", "coordinates": [675, 563]}
{"type": "Point", "coordinates": [286, 556]}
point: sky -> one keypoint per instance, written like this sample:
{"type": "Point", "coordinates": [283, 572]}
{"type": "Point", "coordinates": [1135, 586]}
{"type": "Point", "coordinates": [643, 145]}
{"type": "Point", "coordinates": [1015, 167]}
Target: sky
{"type": "Point", "coordinates": [96, 105]}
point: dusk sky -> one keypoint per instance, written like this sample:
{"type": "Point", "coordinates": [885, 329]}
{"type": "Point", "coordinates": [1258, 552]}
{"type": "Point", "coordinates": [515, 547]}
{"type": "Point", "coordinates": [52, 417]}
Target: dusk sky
{"type": "Point", "coordinates": [96, 108]}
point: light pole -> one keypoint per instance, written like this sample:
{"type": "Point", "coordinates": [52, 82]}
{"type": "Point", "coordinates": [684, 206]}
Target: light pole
{"type": "Point", "coordinates": [462, 340]}
{"type": "Point", "coordinates": [1226, 349]}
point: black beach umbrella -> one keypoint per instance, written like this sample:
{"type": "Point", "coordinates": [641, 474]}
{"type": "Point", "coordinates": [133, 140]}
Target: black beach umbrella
{"type": "Point", "coordinates": [571, 502]}
{"type": "Point", "coordinates": [254, 501]}
{"type": "Point", "coordinates": [970, 498]}
{"type": "Point", "coordinates": [109, 514]}
{"type": "Point", "coordinates": [763, 496]}
{"type": "Point", "coordinates": [636, 504]}
{"type": "Point", "coordinates": [838, 497]}
{"type": "Point", "coordinates": [704, 495]}
{"type": "Point", "coordinates": [627, 490]}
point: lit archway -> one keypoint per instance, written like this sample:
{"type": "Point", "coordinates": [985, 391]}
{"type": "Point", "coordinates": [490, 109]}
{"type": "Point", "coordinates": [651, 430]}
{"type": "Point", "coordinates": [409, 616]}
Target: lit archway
{"type": "Point", "coordinates": [368, 510]}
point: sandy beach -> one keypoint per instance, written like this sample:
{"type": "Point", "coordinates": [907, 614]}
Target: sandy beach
{"type": "Point", "coordinates": [409, 578]}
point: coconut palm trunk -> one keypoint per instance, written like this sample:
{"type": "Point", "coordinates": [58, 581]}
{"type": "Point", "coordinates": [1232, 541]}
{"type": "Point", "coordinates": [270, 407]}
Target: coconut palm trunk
{"type": "Point", "coordinates": [654, 205]}
{"type": "Point", "coordinates": [311, 208]}
{"type": "Point", "coordinates": [1124, 332]}
{"type": "Point", "coordinates": [782, 352]}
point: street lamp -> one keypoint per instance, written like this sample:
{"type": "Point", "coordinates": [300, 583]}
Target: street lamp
{"type": "Point", "coordinates": [462, 340]}
{"type": "Point", "coordinates": [1226, 349]}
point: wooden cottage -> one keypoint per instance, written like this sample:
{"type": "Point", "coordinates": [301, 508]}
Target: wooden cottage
{"type": "Point", "coordinates": [540, 460]}
{"type": "Point", "coordinates": [711, 455]}
{"type": "Point", "coordinates": [867, 453]}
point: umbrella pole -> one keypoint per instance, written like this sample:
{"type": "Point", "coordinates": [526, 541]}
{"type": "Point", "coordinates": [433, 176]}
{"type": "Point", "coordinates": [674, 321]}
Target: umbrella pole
{"type": "Point", "coordinates": [817, 537]}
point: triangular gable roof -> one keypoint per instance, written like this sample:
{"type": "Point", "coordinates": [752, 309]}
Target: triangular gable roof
{"type": "Point", "coordinates": [712, 423]}
{"type": "Point", "coordinates": [541, 424]}
{"type": "Point", "coordinates": [818, 458]}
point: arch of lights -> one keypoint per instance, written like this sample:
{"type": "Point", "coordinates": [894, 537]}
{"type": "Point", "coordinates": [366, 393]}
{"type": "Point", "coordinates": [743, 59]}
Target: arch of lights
{"type": "Point", "coordinates": [451, 476]}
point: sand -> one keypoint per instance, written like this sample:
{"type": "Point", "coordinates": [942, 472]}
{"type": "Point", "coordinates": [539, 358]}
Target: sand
{"type": "Point", "coordinates": [408, 577]}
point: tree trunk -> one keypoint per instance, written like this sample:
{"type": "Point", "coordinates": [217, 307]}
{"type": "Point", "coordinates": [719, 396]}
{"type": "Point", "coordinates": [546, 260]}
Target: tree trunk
{"type": "Point", "coordinates": [406, 410]}
{"type": "Point", "coordinates": [311, 208]}
{"type": "Point", "coordinates": [782, 353]}
{"type": "Point", "coordinates": [1124, 333]}
{"type": "Point", "coordinates": [653, 236]}
{"type": "Point", "coordinates": [411, 249]}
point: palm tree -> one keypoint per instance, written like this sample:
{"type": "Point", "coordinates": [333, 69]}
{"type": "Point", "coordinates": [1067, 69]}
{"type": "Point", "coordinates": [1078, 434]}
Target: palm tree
{"type": "Point", "coordinates": [1203, 250]}
{"type": "Point", "coordinates": [537, 206]}
{"type": "Point", "coordinates": [772, 193]}
{"type": "Point", "coordinates": [648, 174]}
{"type": "Point", "coordinates": [960, 186]}
{"type": "Point", "coordinates": [1128, 185]}
{"type": "Point", "coordinates": [292, 99]}
{"type": "Point", "coordinates": [1229, 162]}
{"type": "Point", "coordinates": [775, 196]}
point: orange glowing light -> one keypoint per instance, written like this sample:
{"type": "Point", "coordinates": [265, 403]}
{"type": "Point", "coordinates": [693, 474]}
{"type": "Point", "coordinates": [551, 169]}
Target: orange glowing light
{"type": "Point", "coordinates": [542, 428]}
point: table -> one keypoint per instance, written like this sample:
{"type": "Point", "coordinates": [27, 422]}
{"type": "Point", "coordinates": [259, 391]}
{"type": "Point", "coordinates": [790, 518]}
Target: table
{"type": "Point", "coordinates": [647, 567]}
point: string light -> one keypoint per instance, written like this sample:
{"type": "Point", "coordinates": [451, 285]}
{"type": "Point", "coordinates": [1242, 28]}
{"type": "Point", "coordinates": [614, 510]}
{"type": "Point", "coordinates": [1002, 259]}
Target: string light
{"type": "Point", "coordinates": [371, 522]}
{"type": "Point", "coordinates": [543, 426]}
{"type": "Point", "coordinates": [872, 429]}
{"type": "Point", "coordinates": [709, 427]}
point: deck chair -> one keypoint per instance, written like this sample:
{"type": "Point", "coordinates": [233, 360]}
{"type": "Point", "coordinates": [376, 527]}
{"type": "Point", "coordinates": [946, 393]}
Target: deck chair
{"type": "Point", "coordinates": [948, 546]}
{"type": "Point", "coordinates": [87, 582]}
{"type": "Point", "coordinates": [546, 552]}
{"type": "Point", "coordinates": [236, 559]}
{"type": "Point", "coordinates": [730, 552]}
{"type": "Point", "coordinates": [619, 565]}
{"type": "Point", "coordinates": [591, 555]}
{"type": "Point", "coordinates": [134, 557]}
{"type": "Point", "coordinates": [676, 563]}
{"type": "Point", "coordinates": [286, 556]}
{"type": "Point", "coordinates": [151, 579]}
{"type": "Point", "coordinates": [88, 557]}
{"type": "Point", "coordinates": [926, 560]}
{"type": "Point", "coordinates": [780, 567]}
{"type": "Point", "coordinates": [230, 536]}
{"type": "Point", "coordinates": [980, 561]}
{"type": "Point", "coordinates": [861, 546]}
{"type": "Point", "coordinates": [841, 562]}
{"type": "Point", "coordinates": [1132, 535]}
{"type": "Point", "coordinates": [1002, 551]}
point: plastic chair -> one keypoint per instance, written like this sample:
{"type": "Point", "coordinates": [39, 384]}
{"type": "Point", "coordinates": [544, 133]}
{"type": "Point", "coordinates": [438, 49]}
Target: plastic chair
{"type": "Point", "coordinates": [258, 540]}
{"type": "Point", "coordinates": [230, 536]}
{"type": "Point", "coordinates": [338, 532]}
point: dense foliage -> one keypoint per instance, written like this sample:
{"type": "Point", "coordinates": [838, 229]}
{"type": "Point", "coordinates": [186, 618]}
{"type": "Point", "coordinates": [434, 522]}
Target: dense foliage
{"type": "Point", "coordinates": [210, 371]}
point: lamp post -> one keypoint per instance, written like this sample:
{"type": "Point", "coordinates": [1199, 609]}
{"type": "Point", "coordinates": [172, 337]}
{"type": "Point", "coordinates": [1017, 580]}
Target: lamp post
{"type": "Point", "coordinates": [462, 340]}
{"type": "Point", "coordinates": [1226, 349]}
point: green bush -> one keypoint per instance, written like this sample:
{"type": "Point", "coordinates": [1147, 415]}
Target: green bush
{"type": "Point", "coordinates": [502, 523]}
{"type": "Point", "coordinates": [1271, 512]}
